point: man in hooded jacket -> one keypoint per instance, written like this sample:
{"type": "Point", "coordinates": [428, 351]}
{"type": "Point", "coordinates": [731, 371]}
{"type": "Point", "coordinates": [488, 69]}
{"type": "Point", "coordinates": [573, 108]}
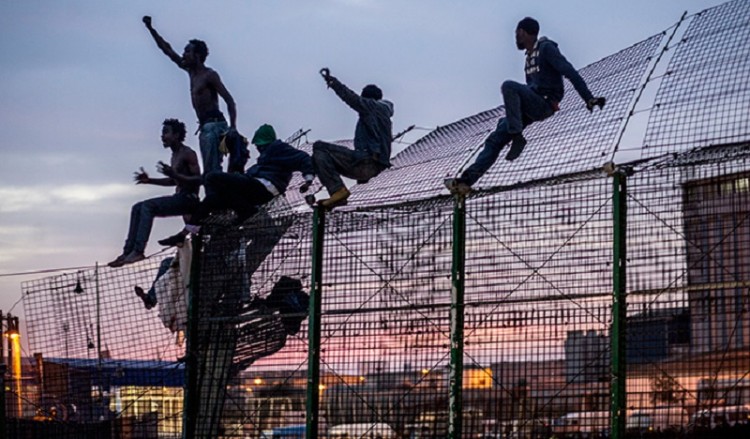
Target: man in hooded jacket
{"type": "Point", "coordinates": [372, 142]}
{"type": "Point", "coordinates": [525, 104]}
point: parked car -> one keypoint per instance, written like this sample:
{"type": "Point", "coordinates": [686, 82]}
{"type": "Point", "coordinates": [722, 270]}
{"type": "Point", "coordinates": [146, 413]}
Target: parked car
{"type": "Point", "coordinates": [725, 415]}
{"type": "Point", "coordinates": [656, 419]}
{"type": "Point", "coordinates": [527, 429]}
{"type": "Point", "coordinates": [362, 431]}
{"type": "Point", "coordinates": [582, 424]}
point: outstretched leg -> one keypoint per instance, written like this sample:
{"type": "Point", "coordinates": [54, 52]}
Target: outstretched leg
{"type": "Point", "coordinates": [142, 220]}
{"type": "Point", "coordinates": [494, 143]}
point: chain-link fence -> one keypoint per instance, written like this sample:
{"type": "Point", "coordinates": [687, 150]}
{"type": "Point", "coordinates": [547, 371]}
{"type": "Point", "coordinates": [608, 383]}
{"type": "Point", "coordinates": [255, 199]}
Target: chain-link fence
{"type": "Point", "coordinates": [561, 299]}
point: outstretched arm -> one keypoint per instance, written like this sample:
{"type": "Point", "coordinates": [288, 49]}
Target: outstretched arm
{"type": "Point", "coordinates": [215, 82]}
{"type": "Point", "coordinates": [352, 99]}
{"type": "Point", "coordinates": [142, 177]}
{"type": "Point", "coordinates": [355, 101]}
{"type": "Point", "coordinates": [561, 64]}
{"type": "Point", "coordinates": [162, 43]}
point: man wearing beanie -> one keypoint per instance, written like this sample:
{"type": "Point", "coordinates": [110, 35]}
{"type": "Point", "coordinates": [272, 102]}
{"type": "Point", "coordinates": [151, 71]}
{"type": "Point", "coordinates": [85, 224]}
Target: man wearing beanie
{"type": "Point", "coordinates": [524, 104]}
{"type": "Point", "coordinates": [267, 178]}
{"type": "Point", "coordinates": [372, 142]}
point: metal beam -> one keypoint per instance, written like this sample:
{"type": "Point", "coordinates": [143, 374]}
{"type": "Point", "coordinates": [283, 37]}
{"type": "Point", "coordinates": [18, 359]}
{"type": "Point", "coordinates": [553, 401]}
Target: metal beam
{"type": "Point", "coordinates": [455, 414]}
{"type": "Point", "coordinates": [316, 294]}
{"type": "Point", "coordinates": [619, 306]}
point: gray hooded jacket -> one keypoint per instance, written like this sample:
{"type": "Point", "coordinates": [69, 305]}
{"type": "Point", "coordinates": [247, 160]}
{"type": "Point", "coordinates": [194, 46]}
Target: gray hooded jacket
{"type": "Point", "coordinates": [373, 133]}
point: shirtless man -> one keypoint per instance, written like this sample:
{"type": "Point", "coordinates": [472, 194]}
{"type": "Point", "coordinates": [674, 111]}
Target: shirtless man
{"type": "Point", "coordinates": [205, 89]}
{"type": "Point", "coordinates": [184, 201]}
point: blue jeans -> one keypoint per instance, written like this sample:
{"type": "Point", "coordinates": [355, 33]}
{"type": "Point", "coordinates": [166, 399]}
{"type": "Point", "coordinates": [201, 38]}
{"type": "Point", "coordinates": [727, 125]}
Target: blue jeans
{"type": "Point", "coordinates": [209, 140]}
{"type": "Point", "coordinates": [143, 213]}
{"type": "Point", "coordinates": [331, 161]}
{"type": "Point", "coordinates": [523, 106]}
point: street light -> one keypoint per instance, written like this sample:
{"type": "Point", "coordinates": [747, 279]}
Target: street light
{"type": "Point", "coordinates": [14, 358]}
{"type": "Point", "coordinates": [2, 377]}
{"type": "Point", "coordinates": [12, 331]}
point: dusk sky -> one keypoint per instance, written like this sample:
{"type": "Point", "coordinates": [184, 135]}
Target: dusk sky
{"type": "Point", "coordinates": [84, 91]}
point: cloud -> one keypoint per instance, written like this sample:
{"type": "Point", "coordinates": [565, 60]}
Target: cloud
{"type": "Point", "coordinates": [356, 2]}
{"type": "Point", "coordinates": [53, 198]}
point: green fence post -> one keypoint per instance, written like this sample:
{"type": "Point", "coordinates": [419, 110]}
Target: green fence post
{"type": "Point", "coordinates": [618, 401]}
{"type": "Point", "coordinates": [455, 414]}
{"type": "Point", "coordinates": [191, 397]}
{"type": "Point", "coordinates": [313, 359]}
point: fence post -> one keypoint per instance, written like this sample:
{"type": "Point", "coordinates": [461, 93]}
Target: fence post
{"type": "Point", "coordinates": [455, 414]}
{"type": "Point", "coordinates": [618, 402]}
{"type": "Point", "coordinates": [313, 359]}
{"type": "Point", "coordinates": [191, 398]}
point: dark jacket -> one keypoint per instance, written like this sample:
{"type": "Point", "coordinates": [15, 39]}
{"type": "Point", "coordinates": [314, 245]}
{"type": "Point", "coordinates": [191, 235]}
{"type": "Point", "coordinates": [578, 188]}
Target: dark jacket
{"type": "Point", "coordinates": [373, 132]}
{"type": "Point", "coordinates": [545, 67]}
{"type": "Point", "coordinates": [278, 161]}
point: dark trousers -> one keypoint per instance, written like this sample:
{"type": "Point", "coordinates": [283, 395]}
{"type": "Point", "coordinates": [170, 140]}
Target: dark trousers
{"type": "Point", "coordinates": [237, 192]}
{"type": "Point", "coordinates": [331, 161]}
{"type": "Point", "coordinates": [523, 106]}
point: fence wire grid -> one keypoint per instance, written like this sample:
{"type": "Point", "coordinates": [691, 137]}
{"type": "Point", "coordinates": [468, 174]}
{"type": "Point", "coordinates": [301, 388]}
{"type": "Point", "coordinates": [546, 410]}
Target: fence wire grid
{"type": "Point", "coordinates": [502, 328]}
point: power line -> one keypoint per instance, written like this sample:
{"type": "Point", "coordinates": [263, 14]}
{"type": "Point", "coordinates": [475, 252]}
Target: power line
{"type": "Point", "coordinates": [55, 270]}
{"type": "Point", "coordinates": [46, 270]}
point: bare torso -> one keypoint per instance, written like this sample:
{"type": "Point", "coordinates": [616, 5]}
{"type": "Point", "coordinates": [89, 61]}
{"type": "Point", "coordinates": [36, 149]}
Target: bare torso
{"type": "Point", "coordinates": [203, 93]}
{"type": "Point", "coordinates": [185, 161]}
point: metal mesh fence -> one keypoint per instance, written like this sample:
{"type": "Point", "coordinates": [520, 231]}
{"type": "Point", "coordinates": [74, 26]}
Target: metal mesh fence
{"type": "Point", "coordinates": [688, 360]}
{"type": "Point", "coordinates": [537, 330]}
{"type": "Point", "coordinates": [703, 99]}
{"type": "Point", "coordinates": [489, 317]}
{"type": "Point", "coordinates": [538, 290]}
{"type": "Point", "coordinates": [384, 333]}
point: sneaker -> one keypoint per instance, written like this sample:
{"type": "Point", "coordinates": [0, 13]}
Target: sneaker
{"type": "Point", "coordinates": [133, 257]}
{"type": "Point", "coordinates": [174, 240]}
{"type": "Point", "coordinates": [148, 301]}
{"type": "Point", "coordinates": [457, 186]}
{"type": "Point", "coordinates": [338, 198]}
{"type": "Point", "coordinates": [118, 262]}
{"type": "Point", "coordinates": [516, 147]}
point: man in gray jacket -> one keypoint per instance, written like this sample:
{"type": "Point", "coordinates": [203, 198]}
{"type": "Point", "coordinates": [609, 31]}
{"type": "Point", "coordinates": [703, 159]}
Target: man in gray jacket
{"type": "Point", "coordinates": [372, 142]}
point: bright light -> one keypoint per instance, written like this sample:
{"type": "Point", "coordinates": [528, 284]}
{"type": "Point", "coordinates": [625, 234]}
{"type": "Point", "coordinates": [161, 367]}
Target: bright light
{"type": "Point", "coordinates": [16, 370]}
{"type": "Point", "coordinates": [425, 371]}
{"type": "Point", "coordinates": [258, 381]}
{"type": "Point", "coordinates": [361, 378]}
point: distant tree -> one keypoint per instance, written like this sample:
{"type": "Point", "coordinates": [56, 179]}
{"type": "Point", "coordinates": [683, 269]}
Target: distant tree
{"type": "Point", "coordinates": [664, 390]}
